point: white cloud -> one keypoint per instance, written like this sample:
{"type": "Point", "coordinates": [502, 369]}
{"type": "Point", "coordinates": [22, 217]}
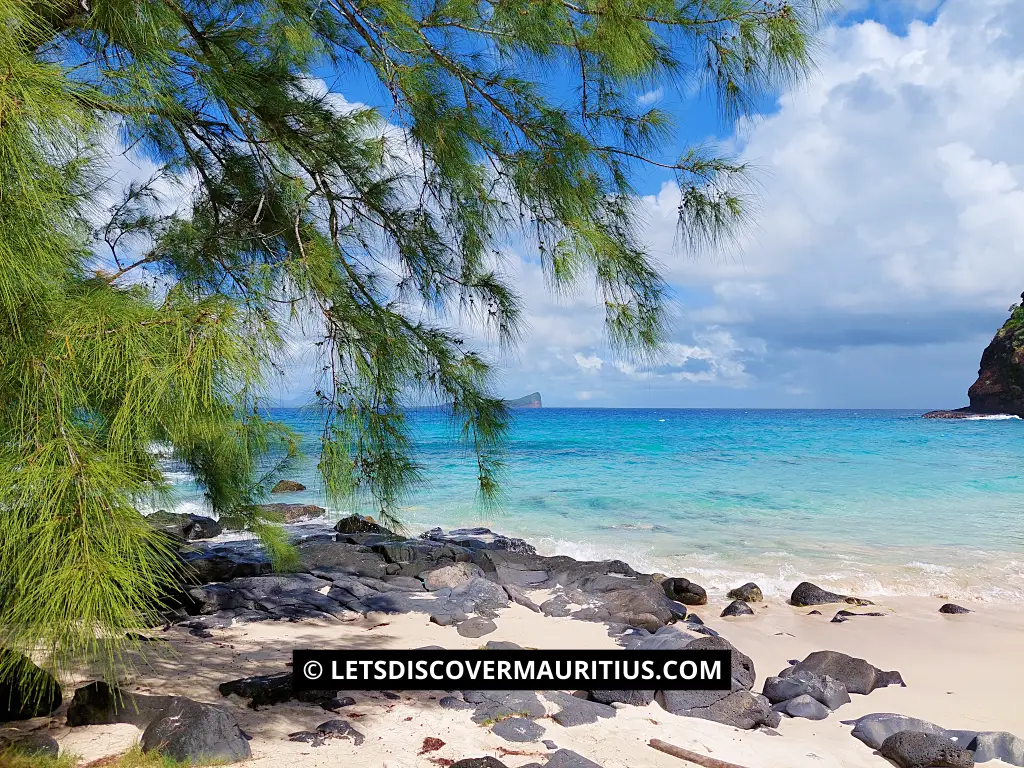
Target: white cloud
{"type": "Point", "coordinates": [891, 202]}
{"type": "Point", "coordinates": [650, 97]}
{"type": "Point", "coordinates": [717, 358]}
{"type": "Point", "coordinates": [591, 363]}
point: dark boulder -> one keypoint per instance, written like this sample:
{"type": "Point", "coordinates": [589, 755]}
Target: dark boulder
{"type": "Point", "coordinates": [558, 606]}
{"type": "Point", "coordinates": [566, 758]}
{"type": "Point", "coordinates": [842, 616]}
{"type": "Point", "coordinates": [293, 596]}
{"type": "Point", "coordinates": [913, 749]}
{"type": "Point", "coordinates": [265, 690]}
{"type": "Point", "coordinates": [822, 688]}
{"type": "Point", "coordinates": [261, 690]}
{"type": "Point", "coordinates": [339, 557]}
{"type": "Point", "coordinates": [27, 691]}
{"type": "Point", "coordinates": [287, 486]}
{"type": "Point", "coordinates": [448, 576]}
{"type": "Point", "coordinates": [997, 745]}
{"type": "Point", "coordinates": [223, 562]}
{"type": "Point", "coordinates": [32, 744]}
{"type": "Point", "coordinates": [953, 608]}
{"type": "Point", "coordinates": [332, 729]}
{"type": "Point", "coordinates": [184, 527]}
{"type": "Point", "coordinates": [454, 702]}
{"type": "Point", "coordinates": [191, 732]}
{"type": "Point", "coordinates": [670, 638]}
{"type": "Point", "coordinates": [737, 608]}
{"type": "Point", "coordinates": [803, 706]}
{"type": "Point", "coordinates": [496, 705]}
{"type": "Point", "coordinates": [478, 762]}
{"type": "Point", "coordinates": [502, 645]}
{"type": "Point", "coordinates": [518, 729]}
{"type": "Point", "coordinates": [476, 627]}
{"type": "Point", "coordinates": [743, 673]}
{"type": "Point", "coordinates": [575, 711]}
{"type": "Point", "coordinates": [290, 513]}
{"type": "Point", "coordinates": [856, 675]}
{"type": "Point", "coordinates": [737, 707]}
{"type": "Point", "coordinates": [875, 728]}
{"type": "Point", "coordinates": [480, 538]}
{"type": "Point", "coordinates": [748, 593]}
{"type": "Point", "coordinates": [740, 709]}
{"type": "Point", "coordinates": [685, 591]}
{"type": "Point", "coordinates": [102, 704]}
{"type": "Point", "coordinates": [361, 524]}
{"type": "Point", "coordinates": [806, 593]}
{"type": "Point", "coordinates": [512, 569]}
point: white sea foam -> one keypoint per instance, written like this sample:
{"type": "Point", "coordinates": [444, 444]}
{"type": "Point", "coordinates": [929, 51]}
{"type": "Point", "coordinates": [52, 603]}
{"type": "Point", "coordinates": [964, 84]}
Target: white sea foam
{"type": "Point", "coordinates": [929, 567]}
{"type": "Point", "coordinates": [981, 577]}
{"type": "Point", "coordinates": [992, 417]}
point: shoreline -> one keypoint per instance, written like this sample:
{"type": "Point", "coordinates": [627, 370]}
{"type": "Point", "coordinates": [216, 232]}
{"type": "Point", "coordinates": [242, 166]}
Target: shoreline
{"type": "Point", "coordinates": [962, 672]}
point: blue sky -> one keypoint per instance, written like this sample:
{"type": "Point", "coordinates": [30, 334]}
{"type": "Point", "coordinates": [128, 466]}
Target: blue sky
{"type": "Point", "coordinates": [888, 245]}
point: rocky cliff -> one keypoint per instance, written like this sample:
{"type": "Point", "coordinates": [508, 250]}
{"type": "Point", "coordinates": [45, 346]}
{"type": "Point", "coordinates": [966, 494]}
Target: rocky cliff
{"type": "Point", "coordinates": [1000, 384]}
{"type": "Point", "coordinates": [529, 401]}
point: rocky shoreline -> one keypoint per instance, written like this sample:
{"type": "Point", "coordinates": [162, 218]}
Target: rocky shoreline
{"type": "Point", "coordinates": [465, 579]}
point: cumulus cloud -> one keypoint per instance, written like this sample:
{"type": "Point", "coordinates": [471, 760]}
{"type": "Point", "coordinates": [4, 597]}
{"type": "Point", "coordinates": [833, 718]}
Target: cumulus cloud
{"type": "Point", "coordinates": [591, 363]}
{"type": "Point", "coordinates": [891, 203]}
{"type": "Point", "coordinates": [650, 97]}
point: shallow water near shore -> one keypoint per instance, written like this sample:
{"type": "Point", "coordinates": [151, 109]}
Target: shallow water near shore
{"type": "Point", "coordinates": [871, 502]}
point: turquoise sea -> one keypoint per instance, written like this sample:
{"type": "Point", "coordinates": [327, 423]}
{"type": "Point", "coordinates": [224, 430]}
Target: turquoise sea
{"type": "Point", "coordinates": [873, 502]}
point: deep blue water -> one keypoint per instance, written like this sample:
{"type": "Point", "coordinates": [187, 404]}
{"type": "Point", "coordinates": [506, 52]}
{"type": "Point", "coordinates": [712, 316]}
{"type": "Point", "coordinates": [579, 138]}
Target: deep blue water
{"type": "Point", "coordinates": [874, 501]}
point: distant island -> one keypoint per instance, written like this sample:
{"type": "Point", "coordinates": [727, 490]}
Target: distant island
{"type": "Point", "coordinates": [529, 401]}
{"type": "Point", "coordinates": [999, 388]}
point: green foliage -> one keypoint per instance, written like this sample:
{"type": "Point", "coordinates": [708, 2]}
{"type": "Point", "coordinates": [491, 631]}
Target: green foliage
{"type": "Point", "coordinates": [374, 234]}
{"type": "Point", "coordinates": [134, 758]}
{"type": "Point", "coordinates": [14, 759]}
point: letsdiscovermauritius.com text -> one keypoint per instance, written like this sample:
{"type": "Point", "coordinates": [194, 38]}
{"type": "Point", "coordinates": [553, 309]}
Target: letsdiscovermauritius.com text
{"type": "Point", "coordinates": [498, 669]}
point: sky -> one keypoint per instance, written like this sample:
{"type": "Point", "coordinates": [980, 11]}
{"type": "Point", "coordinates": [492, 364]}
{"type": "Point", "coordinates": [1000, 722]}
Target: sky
{"type": "Point", "coordinates": [886, 249]}
{"type": "Point", "coordinates": [888, 244]}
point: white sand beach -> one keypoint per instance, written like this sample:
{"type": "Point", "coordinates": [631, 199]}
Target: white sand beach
{"type": "Point", "coordinates": [962, 672]}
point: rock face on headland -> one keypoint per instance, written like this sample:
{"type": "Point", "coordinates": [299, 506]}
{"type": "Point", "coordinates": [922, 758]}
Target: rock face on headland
{"type": "Point", "coordinates": [529, 401]}
{"type": "Point", "coordinates": [999, 388]}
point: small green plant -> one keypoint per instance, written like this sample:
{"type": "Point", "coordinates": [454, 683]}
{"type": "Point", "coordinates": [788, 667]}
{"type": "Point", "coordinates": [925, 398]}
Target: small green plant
{"type": "Point", "coordinates": [492, 720]}
{"type": "Point", "coordinates": [133, 758]}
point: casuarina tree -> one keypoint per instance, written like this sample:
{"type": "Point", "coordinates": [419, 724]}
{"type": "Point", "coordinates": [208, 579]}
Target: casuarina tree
{"type": "Point", "coordinates": [377, 231]}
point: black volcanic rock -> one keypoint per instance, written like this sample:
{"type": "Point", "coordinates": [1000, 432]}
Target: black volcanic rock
{"type": "Point", "coordinates": [748, 593]}
{"type": "Point", "coordinates": [856, 675]}
{"type": "Point", "coordinates": [685, 591]}
{"type": "Point", "coordinates": [28, 691]}
{"type": "Point", "coordinates": [737, 608]}
{"type": "Point", "coordinates": [806, 593]}
{"type": "Point", "coordinates": [912, 749]}
{"type": "Point", "coordinates": [953, 608]}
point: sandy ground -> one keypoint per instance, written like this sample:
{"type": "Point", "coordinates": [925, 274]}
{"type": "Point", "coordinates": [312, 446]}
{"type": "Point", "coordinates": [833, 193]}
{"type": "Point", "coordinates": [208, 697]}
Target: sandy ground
{"type": "Point", "coordinates": [963, 672]}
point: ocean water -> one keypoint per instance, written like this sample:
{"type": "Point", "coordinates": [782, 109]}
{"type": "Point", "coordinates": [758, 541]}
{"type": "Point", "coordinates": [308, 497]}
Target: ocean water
{"type": "Point", "coordinates": [871, 502]}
